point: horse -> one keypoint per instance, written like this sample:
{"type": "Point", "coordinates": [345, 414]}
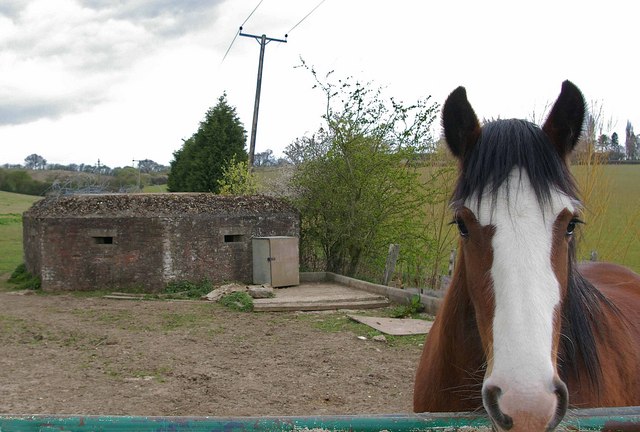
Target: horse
{"type": "Point", "coordinates": [524, 330]}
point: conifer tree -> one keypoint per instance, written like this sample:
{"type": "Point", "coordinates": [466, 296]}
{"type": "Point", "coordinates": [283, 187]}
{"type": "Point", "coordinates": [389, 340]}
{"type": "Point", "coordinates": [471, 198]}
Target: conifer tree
{"type": "Point", "coordinates": [199, 164]}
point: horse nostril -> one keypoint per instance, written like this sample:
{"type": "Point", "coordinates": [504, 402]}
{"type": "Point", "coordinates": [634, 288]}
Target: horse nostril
{"type": "Point", "coordinates": [490, 395]}
{"type": "Point", "coordinates": [563, 403]}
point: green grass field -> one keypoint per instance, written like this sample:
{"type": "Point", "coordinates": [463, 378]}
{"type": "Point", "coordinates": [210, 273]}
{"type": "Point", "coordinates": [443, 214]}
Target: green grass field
{"type": "Point", "coordinates": [155, 189]}
{"type": "Point", "coordinates": [11, 208]}
{"type": "Point", "coordinates": [614, 230]}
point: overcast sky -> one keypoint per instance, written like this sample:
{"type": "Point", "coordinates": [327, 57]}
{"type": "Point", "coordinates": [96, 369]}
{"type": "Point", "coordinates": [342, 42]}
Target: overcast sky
{"type": "Point", "coordinates": [116, 80]}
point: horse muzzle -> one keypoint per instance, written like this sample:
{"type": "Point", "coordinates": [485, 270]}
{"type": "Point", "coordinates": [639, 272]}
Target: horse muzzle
{"type": "Point", "coordinates": [526, 410]}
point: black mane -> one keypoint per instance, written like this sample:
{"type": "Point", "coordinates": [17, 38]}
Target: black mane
{"type": "Point", "coordinates": [502, 146]}
{"type": "Point", "coordinates": [582, 320]}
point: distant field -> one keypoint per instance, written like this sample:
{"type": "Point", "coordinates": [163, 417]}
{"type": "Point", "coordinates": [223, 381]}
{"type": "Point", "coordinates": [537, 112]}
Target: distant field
{"type": "Point", "coordinates": [155, 189]}
{"type": "Point", "coordinates": [616, 237]}
{"type": "Point", "coordinates": [264, 176]}
{"type": "Point", "coordinates": [11, 208]}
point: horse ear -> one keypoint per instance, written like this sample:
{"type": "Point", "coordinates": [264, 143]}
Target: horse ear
{"type": "Point", "coordinates": [564, 124]}
{"type": "Point", "coordinates": [460, 124]}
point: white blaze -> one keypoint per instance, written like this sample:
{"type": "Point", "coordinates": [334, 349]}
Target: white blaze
{"type": "Point", "coordinates": [525, 286]}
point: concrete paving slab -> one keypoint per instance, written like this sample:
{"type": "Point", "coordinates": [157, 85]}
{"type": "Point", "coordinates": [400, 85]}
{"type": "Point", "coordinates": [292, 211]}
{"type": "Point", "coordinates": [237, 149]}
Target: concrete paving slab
{"type": "Point", "coordinates": [395, 326]}
{"type": "Point", "coordinates": [320, 296]}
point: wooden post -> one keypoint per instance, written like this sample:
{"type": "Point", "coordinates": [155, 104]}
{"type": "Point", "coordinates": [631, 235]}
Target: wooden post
{"type": "Point", "coordinates": [452, 261]}
{"type": "Point", "coordinates": [445, 280]}
{"type": "Point", "coordinates": [390, 266]}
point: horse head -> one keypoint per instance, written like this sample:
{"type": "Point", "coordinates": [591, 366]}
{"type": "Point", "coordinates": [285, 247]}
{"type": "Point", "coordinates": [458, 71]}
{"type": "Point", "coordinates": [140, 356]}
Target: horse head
{"type": "Point", "coordinates": [516, 209]}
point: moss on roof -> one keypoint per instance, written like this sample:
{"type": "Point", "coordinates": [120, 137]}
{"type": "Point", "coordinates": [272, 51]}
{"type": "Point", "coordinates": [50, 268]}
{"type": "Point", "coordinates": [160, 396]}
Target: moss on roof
{"type": "Point", "coordinates": [150, 205]}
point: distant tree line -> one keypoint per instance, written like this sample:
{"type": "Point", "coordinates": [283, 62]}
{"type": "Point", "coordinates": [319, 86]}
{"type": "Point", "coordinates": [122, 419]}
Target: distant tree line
{"type": "Point", "coordinates": [19, 181]}
{"type": "Point", "coordinates": [615, 151]}
{"type": "Point", "coordinates": [607, 148]}
{"type": "Point", "coordinates": [37, 177]}
{"type": "Point", "coordinates": [267, 159]}
{"type": "Point", "coordinates": [36, 162]}
{"type": "Point", "coordinates": [33, 178]}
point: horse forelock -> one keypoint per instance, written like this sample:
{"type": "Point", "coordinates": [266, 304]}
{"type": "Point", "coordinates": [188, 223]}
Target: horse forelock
{"type": "Point", "coordinates": [507, 144]}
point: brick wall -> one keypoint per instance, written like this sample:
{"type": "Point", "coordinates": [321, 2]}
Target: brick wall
{"type": "Point", "coordinates": [99, 251]}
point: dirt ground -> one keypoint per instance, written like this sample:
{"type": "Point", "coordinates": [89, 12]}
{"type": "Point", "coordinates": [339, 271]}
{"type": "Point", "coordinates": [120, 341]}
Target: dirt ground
{"type": "Point", "coordinates": [62, 354]}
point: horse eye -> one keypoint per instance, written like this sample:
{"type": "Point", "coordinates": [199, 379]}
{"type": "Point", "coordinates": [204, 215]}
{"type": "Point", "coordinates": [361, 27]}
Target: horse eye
{"type": "Point", "coordinates": [572, 226]}
{"type": "Point", "coordinates": [464, 231]}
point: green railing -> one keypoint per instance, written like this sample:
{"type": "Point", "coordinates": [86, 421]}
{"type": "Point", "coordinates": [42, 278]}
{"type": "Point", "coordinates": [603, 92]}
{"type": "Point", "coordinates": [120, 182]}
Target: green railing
{"type": "Point", "coordinates": [600, 419]}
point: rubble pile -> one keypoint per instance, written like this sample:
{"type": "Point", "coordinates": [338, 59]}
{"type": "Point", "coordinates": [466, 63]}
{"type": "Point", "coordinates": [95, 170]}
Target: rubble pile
{"type": "Point", "coordinates": [155, 205]}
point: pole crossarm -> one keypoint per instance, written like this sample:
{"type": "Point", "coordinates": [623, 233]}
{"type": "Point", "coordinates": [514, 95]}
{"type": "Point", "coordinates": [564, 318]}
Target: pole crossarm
{"type": "Point", "coordinates": [267, 39]}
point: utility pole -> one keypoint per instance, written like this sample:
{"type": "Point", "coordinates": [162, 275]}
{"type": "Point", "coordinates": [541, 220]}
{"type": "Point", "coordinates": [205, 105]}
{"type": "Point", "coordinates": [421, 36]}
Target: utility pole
{"type": "Point", "coordinates": [263, 41]}
{"type": "Point", "coordinates": [134, 162]}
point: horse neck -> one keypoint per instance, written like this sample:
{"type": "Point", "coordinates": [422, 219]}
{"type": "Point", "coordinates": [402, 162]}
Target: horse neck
{"type": "Point", "coordinates": [593, 328]}
{"type": "Point", "coordinates": [452, 367]}
{"type": "Point", "coordinates": [459, 322]}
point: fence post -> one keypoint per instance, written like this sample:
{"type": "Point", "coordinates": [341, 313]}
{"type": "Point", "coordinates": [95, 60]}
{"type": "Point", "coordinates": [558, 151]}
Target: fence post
{"type": "Point", "coordinates": [452, 261]}
{"type": "Point", "coordinates": [390, 266]}
{"type": "Point", "coordinates": [445, 280]}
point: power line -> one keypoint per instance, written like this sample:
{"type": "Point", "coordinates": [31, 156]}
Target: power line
{"type": "Point", "coordinates": [254, 9]}
{"type": "Point", "coordinates": [240, 29]}
{"type": "Point", "coordinates": [230, 45]}
{"type": "Point", "coordinates": [305, 17]}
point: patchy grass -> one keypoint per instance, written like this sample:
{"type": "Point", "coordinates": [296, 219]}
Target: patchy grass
{"type": "Point", "coordinates": [158, 374]}
{"type": "Point", "coordinates": [117, 318]}
{"type": "Point", "coordinates": [117, 372]}
{"type": "Point", "coordinates": [339, 322]}
{"type": "Point", "coordinates": [197, 317]}
{"type": "Point", "coordinates": [174, 321]}
{"type": "Point", "coordinates": [19, 329]}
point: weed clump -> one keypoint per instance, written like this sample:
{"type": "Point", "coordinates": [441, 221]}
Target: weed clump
{"type": "Point", "coordinates": [23, 279]}
{"type": "Point", "coordinates": [412, 309]}
{"type": "Point", "coordinates": [239, 301]}
{"type": "Point", "coordinates": [188, 289]}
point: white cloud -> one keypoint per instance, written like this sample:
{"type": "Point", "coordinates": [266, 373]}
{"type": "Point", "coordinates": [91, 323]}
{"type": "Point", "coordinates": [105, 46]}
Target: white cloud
{"type": "Point", "coordinates": [116, 80]}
